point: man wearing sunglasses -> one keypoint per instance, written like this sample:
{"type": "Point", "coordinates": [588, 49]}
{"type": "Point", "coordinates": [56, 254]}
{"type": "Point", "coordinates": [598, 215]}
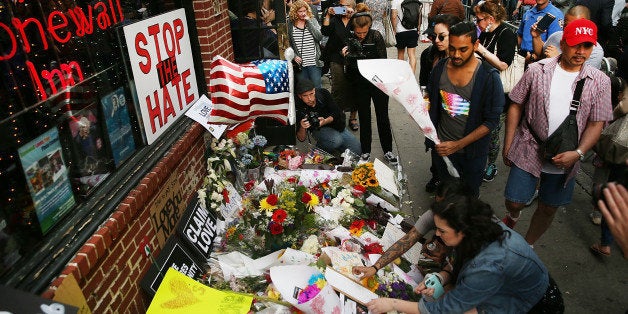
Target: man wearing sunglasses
{"type": "Point", "coordinates": [467, 98]}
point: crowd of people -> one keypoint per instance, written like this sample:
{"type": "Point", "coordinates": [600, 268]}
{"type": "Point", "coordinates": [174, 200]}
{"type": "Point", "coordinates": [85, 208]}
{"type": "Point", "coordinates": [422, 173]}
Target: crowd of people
{"type": "Point", "coordinates": [552, 117]}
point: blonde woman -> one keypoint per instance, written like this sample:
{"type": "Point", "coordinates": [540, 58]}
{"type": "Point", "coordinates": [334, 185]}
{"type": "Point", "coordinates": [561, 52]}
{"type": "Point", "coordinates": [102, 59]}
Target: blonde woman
{"type": "Point", "coordinates": [305, 35]}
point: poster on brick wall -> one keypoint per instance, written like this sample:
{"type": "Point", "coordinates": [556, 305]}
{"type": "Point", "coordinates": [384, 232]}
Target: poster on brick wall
{"type": "Point", "coordinates": [47, 178]}
{"type": "Point", "coordinates": [163, 70]}
{"type": "Point", "coordinates": [118, 125]}
{"type": "Point", "coordinates": [198, 229]}
{"type": "Point", "coordinates": [174, 254]}
{"type": "Point", "coordinates": [169, 204]}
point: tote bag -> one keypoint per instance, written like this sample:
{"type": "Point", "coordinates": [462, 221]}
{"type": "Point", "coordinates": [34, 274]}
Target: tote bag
{"type": "Point", "coordinates": [613, 143]}
{"type": "Point", "coordinates": [513, 73]}
{"type": "Point", "coordinates": [389, 37]}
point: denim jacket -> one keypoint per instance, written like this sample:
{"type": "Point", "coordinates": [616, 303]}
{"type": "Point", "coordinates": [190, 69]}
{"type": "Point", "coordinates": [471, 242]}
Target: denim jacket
{"type": "Point", "coordinates": [503, 278]}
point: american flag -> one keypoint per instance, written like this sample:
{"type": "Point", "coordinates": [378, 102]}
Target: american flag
{"type": "Point", "coordinates": [240, 92]}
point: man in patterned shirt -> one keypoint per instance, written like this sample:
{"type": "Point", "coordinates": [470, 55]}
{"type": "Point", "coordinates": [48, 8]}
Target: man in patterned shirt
{"type": "Point", "coordinates": [467, 99]}
{"type": "Point", "coordinates": [541, 101]}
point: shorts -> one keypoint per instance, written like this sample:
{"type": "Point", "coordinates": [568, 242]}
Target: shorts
{"type": "Point", "coordinates": [407, 39]}
{"type": "Point", "coordinates": [552, 191]}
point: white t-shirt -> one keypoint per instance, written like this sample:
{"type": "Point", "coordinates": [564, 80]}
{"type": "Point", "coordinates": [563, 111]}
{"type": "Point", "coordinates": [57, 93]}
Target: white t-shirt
{"type": "Point", "coordinates": [560, 100]}
{"type": "Point", "coordinates": [396, 5]}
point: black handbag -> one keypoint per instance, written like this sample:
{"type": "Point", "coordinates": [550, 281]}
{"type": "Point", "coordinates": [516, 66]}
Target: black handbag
{"type": "Point", "coordinates": [565, 137]}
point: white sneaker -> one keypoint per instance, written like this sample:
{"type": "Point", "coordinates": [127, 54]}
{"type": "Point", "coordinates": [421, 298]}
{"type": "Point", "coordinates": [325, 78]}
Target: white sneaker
{"type": "Point", "coordinates": [391, 158]}
{"type": "Point", "coordinates": [365, 157]}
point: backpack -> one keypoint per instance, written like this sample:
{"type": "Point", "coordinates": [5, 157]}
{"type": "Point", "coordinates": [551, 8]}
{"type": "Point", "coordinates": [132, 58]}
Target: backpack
{"type": "Point", "coordinates": [410, 12]}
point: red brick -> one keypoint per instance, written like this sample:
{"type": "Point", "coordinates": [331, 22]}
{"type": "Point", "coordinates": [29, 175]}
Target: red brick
{"type": "Point", "coordinates": [90, 252]}
{"type": "Point", "coordinates": [124, 257]}
{"type": "Point", "coordinates": [118, 216]}
{"type": "Point", "coordinates": [114, 230]}
{"type": "Point", "coordinates": [57, 282]}
{"type": "Point", "coordinates": [48, 294]}
{"type": "Point", "coordinates": [82, 263]}
{"type": "Point", "coordinates": [74, 270]}
{"type": "Point", "coordinates": [105, 234]}
{"type": "Point", "coordinates": [99, 245]}
{"type": "Point", "coordinates": [93, 283]}
{"type": "Point", "coordinates": [102, 304]}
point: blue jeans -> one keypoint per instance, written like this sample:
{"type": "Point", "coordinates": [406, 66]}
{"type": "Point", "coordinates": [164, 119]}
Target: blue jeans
{"type": "Point", "coordinates": [312, 73]}
{"type": "Point", "coordinates": [332, 141]}
{"type": "Point", "coordinates": [552, 189]}
{"type": "Point", "coordinates": [471, 170]}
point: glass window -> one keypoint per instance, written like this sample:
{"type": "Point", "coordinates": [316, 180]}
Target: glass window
{"type": "Point", "coordinates": [254, 28]}
{"type": "Point", "coordinates": [67, 116]}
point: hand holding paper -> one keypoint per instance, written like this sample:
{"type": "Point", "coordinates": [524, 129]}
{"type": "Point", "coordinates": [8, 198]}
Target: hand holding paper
{"type": "Point", "coordinates": [395, 78]}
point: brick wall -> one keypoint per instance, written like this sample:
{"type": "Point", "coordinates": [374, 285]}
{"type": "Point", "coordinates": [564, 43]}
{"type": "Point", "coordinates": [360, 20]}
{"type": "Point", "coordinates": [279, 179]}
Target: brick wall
{"type": "Point", "coordinates": [109, 266]}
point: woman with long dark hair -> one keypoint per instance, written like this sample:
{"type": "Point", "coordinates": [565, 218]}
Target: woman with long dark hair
{"type": "Point", "coordinates": [493, 269]}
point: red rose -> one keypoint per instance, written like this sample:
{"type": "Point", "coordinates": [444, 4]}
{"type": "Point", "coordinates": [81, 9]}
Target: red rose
{"type": "Point", "coordinates": [373, 248]}
{"type": "Point", "coordinates": [306, 197]}
{"type": "Point", "coordinates": [249, 185]}
{"type": "Point", "coordinates": [357, 225]}
{"type": "Point", "coordinates": [225, 195]}
{"type": "Point", "coordinates": [275, 228]}
{"type": "Point", "coordinates": [279, 215]}
{"type": "Point", "coordinates": [272, 199]}
{"type": "Point", "coordinates": [371, 223]}
{"type": "Point", "coordinates": [358, 190]}
{"type": "Point", "coordinates": [292, 179]}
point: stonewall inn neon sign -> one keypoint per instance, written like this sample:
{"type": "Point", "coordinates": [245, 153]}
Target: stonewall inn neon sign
{"type": "Point", "coordinates": [58, 26]}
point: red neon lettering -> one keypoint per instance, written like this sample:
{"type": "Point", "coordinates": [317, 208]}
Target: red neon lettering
{"type": "Point", "coordinates": [20, 27]}
{"type": "Point", "coordinates": [103, 18]}
{"type": "Point", "coordinates": [35, 78]}
{"type": "Point", "coordinates": [66, 77]}
{"type": "Point", "coordinates": [153, 30]}
{"type": "Point", "coordinates": [154, 112]}
{"type": "Point", "coordinates": [52, 28]}
{"type": "Point", "coordinates": [141, 39]}
{"type": "Point", "coordinates": [13, 43]}
{"type": "Point", "coordinates": [84, 24]}
{"type": "Point", "coordinates": [186, 87]}
{"type": "Point", "coordinates": [179, 31]}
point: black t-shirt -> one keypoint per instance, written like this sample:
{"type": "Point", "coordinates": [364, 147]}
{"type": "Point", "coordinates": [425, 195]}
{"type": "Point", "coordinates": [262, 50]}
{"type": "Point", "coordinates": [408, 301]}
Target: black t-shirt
{"type": "Point", "coordinates": [504, 39]}
{"type": "Point", "coordinates": [325, 107]}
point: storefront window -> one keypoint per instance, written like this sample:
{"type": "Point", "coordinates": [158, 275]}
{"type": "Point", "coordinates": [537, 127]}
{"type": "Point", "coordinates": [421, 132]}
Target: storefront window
{"type": "Point", "coordinates": [68, 118]}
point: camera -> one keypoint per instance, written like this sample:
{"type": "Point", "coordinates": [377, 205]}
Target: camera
{"type": "Point", "coordinates": [312, 118]}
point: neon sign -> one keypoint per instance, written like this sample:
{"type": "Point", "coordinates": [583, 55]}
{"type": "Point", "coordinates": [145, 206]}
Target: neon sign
{"type": "Point", "coordinates": [57, 25]}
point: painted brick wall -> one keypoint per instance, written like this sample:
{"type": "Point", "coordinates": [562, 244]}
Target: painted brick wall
{"type": "Point", "coordinates": [109, 266]}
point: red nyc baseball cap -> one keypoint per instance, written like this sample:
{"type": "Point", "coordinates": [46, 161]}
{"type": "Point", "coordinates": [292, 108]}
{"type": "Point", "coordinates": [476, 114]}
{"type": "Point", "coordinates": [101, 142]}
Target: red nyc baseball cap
{"type": "Point", "coordinates": [580, 31]}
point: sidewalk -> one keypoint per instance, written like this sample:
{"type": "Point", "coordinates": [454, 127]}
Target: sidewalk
{"type": "Point", "coordinates": [588, 283]}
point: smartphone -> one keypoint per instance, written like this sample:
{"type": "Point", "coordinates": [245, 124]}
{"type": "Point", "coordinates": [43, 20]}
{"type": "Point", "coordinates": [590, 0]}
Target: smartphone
{"type": "Point", "coordinates": [340, 10]}
{"type": "Point", "coordinates": [543, 24]}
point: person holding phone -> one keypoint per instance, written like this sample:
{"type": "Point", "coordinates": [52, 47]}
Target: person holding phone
{"type": "Point", "coordinates": [532, 16]}
{"type": "Point", "coordinates": [337, 28]}
{"type": "Point", "coordinates": [305, 37]}
{"type": "Point", "coordinates": [367, 43]}
{"type": "Point", "coordinates": [551, 47]}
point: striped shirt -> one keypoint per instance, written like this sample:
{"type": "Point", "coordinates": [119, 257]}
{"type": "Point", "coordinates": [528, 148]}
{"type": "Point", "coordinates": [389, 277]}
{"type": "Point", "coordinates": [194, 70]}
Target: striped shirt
{"type": "Point", "coordinates": [305, 45]}
{"type": "Point", "coordinates": [533, 91]}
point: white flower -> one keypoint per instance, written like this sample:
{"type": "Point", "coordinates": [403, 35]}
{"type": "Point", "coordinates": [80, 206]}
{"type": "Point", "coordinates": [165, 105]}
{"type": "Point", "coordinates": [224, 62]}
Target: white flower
{"type": "Point", "coordinates": [216, 197]}
{"type": "Point", "coordinates": [201, 195]}
{"type": "Point", "coordinates": [310, 245]}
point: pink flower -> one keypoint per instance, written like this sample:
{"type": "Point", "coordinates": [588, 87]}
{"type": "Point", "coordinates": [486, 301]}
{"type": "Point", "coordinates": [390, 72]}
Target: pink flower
{"type": "Point", "coordinates": [412, 99]}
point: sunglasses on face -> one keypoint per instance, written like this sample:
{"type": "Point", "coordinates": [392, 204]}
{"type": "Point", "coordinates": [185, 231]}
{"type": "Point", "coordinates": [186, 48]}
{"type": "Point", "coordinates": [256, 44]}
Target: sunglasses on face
{"type": "Point", "coordinates": [478, 20]}
{"type": "Point", "coordinates": [441, 37]}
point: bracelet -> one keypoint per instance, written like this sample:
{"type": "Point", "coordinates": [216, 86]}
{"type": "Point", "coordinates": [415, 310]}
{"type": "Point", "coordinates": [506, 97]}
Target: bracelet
{"type": "Point", "coordinates": [375, 266]}
{"type": "Point", "coordinates": [440, 277]}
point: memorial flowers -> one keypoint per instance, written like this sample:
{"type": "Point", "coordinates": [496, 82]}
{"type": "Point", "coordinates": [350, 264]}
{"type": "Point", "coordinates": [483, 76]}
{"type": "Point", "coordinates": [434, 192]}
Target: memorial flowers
{"type": "Point", "coordinates": [363, 176]}
{"type": "Point", "coordinates": [214, 192]}
{"type": "Point", "coordinates": [314, 286]}
{"type": "Point", "coordinates": [269, 222]}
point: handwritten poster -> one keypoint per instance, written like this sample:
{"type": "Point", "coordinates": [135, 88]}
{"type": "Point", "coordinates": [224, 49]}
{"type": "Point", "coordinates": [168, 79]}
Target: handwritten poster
{"type": "Point", "coordinates": [47, 178]}
{"type": "Point", "coordinates": [161, 59]}
{"type": "Point", "coordinates": [181, 294]}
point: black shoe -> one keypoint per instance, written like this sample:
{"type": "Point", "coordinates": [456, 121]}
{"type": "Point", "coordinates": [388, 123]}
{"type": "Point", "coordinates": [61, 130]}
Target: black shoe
{"type": "Point", "coordinates": [431, 186]}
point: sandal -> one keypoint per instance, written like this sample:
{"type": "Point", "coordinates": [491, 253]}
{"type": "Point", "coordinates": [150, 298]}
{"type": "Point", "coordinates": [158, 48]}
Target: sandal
{"type": "Point", "coordinates": [353, 124]}
{"type": "Point", "coordinates": [597, 249]}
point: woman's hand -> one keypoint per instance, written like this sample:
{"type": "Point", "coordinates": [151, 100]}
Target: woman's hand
{"type": "Point", "coordinates": [364, 271]}
{"type": "Point", "coordinates": [298, 59]}
{"type": "Point", "coordinates": [422, 289]}
{"type": "Point", "coordinates": [551, 51]}
{"type": "Point", "coordinates": [381, 305]}
{"type": "Point", "coordinates": [344, 51]}
{"type": "Point", "coordinates": [330, 11]}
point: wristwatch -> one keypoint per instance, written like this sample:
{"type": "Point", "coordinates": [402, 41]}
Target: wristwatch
{"type": "Point", "coordinates": [580, 153]}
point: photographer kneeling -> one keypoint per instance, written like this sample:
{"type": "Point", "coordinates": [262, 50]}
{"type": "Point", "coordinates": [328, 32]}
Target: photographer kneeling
{"type": "Point", "coordinates": [318, 114]}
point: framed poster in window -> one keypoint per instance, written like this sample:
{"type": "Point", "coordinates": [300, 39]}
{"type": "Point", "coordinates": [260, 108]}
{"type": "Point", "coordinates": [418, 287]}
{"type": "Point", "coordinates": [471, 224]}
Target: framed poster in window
{"type": "Point", "coordinates": [118, 125]}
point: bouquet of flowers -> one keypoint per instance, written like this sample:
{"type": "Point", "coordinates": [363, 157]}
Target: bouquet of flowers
{"type": "Point", "coordinates": [214, 192]}
{"type": "Point", "coordinates": [272, 221]}
{"type": "Point", "coordinates": [250, 149]}
{"type": "Point", "coordinates": [314, 286]}
{"type": "Point", "coordinates": [363, 177]}
{"type": "Point", "coordinates": [391, 286]}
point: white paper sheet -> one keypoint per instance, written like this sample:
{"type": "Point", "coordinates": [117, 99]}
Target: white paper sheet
{"type": "Point", "coordinates": [392, 234]}
{"type": "Point", "coordinates": [386, 177]}
{"type": "Point", "coordinates": [200, 111]}
{"type": "Point", "coordinates": [350, 288]}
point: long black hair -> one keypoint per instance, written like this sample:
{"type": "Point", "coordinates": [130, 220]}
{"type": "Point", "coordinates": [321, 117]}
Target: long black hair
{"type": "Point", "coordinates": [475, 219]}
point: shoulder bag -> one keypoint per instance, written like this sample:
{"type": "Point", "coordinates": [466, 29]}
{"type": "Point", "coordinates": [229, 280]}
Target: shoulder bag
{"type": "Point", "coordinates": [565, 138]}
{"type": "Point", "coordinates": [389, 37]}
{"type": "Point", "coordinates": [513, 73]}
